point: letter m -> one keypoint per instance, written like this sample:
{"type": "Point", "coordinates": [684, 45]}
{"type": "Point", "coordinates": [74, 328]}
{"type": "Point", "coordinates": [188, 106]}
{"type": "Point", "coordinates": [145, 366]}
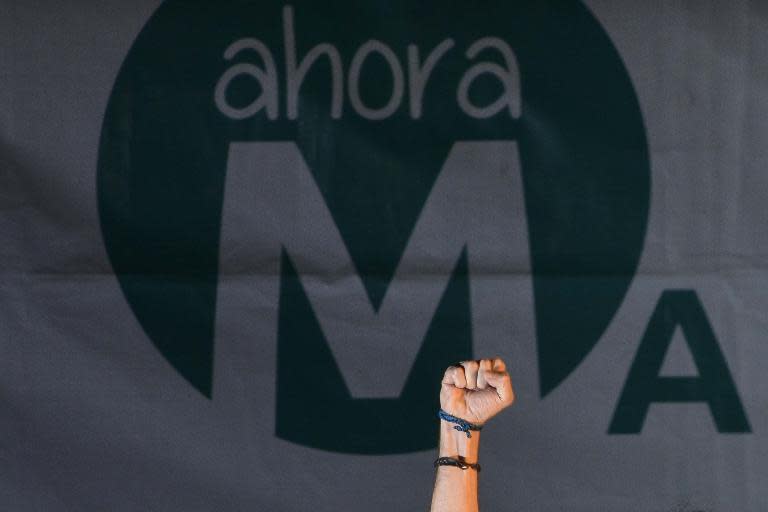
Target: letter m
{"type": "Point", "coordinates": [352, 377]}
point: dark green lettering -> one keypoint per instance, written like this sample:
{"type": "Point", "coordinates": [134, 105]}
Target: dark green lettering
{"type": "Point", "coordinates": [713, 385]}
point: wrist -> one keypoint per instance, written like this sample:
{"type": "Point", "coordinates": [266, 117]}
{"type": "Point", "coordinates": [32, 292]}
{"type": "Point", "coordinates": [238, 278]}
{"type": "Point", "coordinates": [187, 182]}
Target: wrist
{"type": "Point", "coordinates": [455, 443]}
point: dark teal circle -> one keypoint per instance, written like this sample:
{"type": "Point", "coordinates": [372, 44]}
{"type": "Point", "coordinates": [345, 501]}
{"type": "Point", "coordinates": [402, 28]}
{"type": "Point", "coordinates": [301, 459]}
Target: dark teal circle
{"type": "Point", "coordinates": [581, 137]}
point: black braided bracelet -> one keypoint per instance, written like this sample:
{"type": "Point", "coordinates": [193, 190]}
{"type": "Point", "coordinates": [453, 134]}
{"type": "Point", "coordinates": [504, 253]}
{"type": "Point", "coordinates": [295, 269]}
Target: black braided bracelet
{"type": "Point", "coordinates": [459, 462]}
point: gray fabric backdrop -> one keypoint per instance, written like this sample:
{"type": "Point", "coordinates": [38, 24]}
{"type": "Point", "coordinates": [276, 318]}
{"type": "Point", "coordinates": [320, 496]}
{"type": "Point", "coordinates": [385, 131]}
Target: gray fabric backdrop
{"type": "Point", "coordinates": [93, 417]}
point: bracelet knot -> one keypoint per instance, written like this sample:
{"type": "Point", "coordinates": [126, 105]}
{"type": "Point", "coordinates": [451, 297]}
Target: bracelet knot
{"type": "Point", "coordinates": [461, 424]}
{"type": "Point", "coordinates": [458, 462]}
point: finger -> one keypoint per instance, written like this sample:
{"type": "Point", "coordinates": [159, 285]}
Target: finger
{"type": "Point", "coordinates": [470, 371]}
{"type": "Point", "coordinates": [485, 366]}
{"type": "Point", "coordinates": [502, 383]}
{"type": "Point", "coordinates": [498, 365]}
{"type": "Point", "coordinates": [454, 376]}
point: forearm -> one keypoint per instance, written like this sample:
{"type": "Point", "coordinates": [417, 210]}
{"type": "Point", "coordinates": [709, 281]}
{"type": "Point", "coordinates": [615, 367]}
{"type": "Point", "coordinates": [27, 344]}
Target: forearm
{"type": "Point", "coordinates": [456, 488]}
{"type": "Point", "coordinates": [471, 393]}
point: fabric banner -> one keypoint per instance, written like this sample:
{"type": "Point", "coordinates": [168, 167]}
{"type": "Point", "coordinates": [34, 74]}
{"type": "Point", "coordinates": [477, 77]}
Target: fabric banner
{"type": "Point", "coordinates": [241, 241]}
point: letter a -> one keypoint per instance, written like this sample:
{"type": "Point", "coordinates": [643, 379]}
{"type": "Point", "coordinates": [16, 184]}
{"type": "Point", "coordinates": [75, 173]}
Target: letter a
{"type": "Point", "coordinates": [714, 384]}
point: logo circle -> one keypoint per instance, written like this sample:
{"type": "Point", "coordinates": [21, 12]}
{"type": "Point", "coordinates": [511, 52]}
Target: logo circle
{"type": "Point", "coordinates": [179, 101]}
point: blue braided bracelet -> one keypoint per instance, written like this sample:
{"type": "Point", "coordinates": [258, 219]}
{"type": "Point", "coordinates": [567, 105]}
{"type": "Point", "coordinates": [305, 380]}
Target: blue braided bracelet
{"type": "Point", "coordinates": [462, 425]}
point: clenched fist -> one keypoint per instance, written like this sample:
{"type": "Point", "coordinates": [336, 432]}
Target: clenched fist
{"type": "Point", "coordinates": [476, 390]}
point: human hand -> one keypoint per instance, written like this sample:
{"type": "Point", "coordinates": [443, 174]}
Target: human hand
{"type": "Point", "coordinates": [476, 390]}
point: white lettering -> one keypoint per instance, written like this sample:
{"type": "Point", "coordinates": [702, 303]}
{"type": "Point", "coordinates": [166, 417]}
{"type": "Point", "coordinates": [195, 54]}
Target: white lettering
{"type": "Point", "coordinates": [272, 204]}
{"type": "Point", "coordinates": [266, 77]}
{"type": "Point", "coordinates": [419, 76]}
{"type": "Point", "coordinates": [509, 78]}
{"type": "Point", "coordinates": [295, 75]}
{"type": "Point", "coordinates": [354, 80]}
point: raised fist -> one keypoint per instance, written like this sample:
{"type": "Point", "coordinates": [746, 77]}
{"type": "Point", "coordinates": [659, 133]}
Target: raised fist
{"type": "Point", "coordinates": [476, 390]}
